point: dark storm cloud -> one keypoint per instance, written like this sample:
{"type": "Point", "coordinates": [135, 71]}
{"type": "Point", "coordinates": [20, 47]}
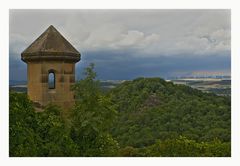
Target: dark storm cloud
{"type": "Point", "coordinates": [124, 65]}
{"type": "Point", "coordinates": [17, 69]}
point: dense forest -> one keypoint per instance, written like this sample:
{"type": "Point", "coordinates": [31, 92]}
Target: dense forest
{"type": "Point", "coordinates": [142, 117]}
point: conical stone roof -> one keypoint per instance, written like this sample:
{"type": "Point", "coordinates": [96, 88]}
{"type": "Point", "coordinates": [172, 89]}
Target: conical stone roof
{"type": "Point", "coordinates": [50, 45]}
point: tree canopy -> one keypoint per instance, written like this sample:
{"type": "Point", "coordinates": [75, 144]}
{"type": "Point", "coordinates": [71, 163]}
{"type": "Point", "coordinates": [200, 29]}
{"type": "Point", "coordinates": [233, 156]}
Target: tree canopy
{"type": "Point", "coordinates": [151, 109]}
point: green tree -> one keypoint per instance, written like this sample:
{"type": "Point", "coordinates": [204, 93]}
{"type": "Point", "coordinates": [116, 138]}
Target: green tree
{"type": "Point", "coordinates": [54, 133]}
{"type": "Point", "coordinates": [22, 137]}
{"type": "Point", "coordinates": [37, 133]}
{"type": "Point", "coordinates": [92, 117]}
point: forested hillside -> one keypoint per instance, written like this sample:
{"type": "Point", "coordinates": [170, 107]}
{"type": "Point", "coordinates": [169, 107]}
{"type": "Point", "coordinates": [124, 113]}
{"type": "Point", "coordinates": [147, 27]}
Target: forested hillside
{"type": "Point", "coordinates": [143, 117]}
{"type": "Point", "coordinates": [151, 108]}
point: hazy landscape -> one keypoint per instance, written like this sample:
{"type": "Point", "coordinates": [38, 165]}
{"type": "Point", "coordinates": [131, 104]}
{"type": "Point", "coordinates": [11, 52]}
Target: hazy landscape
{"type": "Point", "coordinates": [220, 85]}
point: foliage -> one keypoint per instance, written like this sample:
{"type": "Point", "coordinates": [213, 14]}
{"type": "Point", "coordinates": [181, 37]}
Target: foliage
{"type": "Point", "coordinates": [22, 137]}
{"type": "Point", "coordinates": [37, 134]}
{"type": "Point", "coordinates": [47, 134]}
{"type": "Point", "coordinates": [180, 147]}
{"type": "Point", "coordinates": [183, 147]}
{"type": "Point", "coordinates": [92, 117]}
{"type": "Point", "coordinates": [143, 117]}
{"type": "Point", "coordinates": [151, 109]}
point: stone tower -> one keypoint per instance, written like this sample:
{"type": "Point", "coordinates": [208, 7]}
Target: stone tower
{"type": "Point", "coordinates": [51, 69]}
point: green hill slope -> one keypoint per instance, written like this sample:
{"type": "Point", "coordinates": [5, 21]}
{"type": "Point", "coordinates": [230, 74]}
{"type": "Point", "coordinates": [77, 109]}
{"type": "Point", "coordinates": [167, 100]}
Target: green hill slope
{"type": "Point", "coordinates": [152, 109]}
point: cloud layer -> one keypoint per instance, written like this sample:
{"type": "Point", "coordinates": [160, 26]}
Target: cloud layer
{"type": "Point", "coordinates": [114, 37]}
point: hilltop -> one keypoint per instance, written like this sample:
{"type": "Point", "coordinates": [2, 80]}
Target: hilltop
{"type": "Point", "coordinates": [151, 109]}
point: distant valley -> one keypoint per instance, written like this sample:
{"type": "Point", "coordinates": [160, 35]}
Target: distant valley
{"type": "Point", "coordinates": [220, 86]}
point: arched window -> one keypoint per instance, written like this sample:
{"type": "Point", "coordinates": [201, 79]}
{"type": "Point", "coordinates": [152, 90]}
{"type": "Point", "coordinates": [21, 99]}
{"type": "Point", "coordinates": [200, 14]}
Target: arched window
{"type": "Point", "coordinates": [51, 80]}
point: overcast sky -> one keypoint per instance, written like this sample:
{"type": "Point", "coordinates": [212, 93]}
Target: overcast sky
{"type": "Point", "coordinates": [125, 44]}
